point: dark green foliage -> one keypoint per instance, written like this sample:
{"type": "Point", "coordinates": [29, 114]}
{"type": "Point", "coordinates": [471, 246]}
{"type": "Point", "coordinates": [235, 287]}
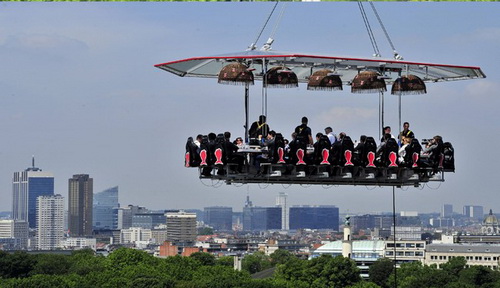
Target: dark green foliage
{"type": "Point", "coordinates": [380, 271]}
{"type": "Point", "coordinates": [281, 256]}
{"type": "Point", "coordinates": [133, 268]}
{"type": "Point", "coordinates": [205, 259]}
{"type": "Point", "coordinates": [225, 261]}
{"type": "Point", "coordinates": [51, 264]}
{"type": "Point", "coordinates": [324, 271]}
{"type": "Point", "coordinates": [205, 231]}
{"type": "Point", "coordinates": [18, 264]}
{"type": "Point", "coordinates": [256, 262]}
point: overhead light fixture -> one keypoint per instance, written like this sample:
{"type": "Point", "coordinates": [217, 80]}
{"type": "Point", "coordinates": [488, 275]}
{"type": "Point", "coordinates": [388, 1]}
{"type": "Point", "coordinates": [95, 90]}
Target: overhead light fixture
{"type": "Point", "coordinates": [408, 84]}
{"type": "Point", "coordinates": [236, 74]}
{"type": "Point", "coordinates": [281, 77]}
{"type": "Point", "coordinates": [324, 79]}
{"type": "Point", "coordinates": [368, 82]}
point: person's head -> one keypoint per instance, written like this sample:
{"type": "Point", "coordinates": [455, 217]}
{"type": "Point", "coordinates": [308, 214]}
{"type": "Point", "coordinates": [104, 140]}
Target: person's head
{"type": "Point", "coordinates": [211, 136]}
{"type": "Point", "coordinates": [262, 118]}
{"type": "Point", "coordinates": [406, 126]}
{"type": "Point", "coordinates": [199, 137]}
{"type": "Point", "coordinates": [437, 139]}
{"type": "Point", "coordinates": [387, 136]}
{"type": "Point", "coordinates": [406, 140]}
{"type": "Point", "coordinates": [271, 134]}
{"type": "Point", "coordinates": [362, 138]}
{"type": "Point", "coordinates": [387, 130]}
{"type": "Point", "coordinates": [286, 141]}
{"type": "Point", "coordinates": [227, 135]}
{"type": "Point", "coordinates": [342, 135]}
{"type": "Point", "coordinates": [328, 130]}
{"type": "Point", "coordinates": [294, 135]}
{"type": "Point", "coordinates": [238, 141]}
{"type": "Point", "coordinates": [318, 135]}
{"type": "Point", "coordinates": [304, 120]}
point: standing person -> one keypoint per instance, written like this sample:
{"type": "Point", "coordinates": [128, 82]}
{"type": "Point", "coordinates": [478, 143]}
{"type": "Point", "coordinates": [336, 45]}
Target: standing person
{"type": "Point", "coordinates": [304, 134]}
{"type": "Point", "coordinates": [259, 129]}
{"type": "Point", "coordinates": [331, 136]}
{"type": "Point", "coordinates": [407, 133]}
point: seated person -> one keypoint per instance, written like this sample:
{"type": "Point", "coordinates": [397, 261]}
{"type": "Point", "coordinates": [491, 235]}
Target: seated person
{"type": "Point", "coordinates": [432, 152]}
{"type": "Point", "coordinates": [322, 142]}
{"type": "Point", "coordinates": [384, 150]}
{"type": "Point", "coordinates": [402, 150]}
{"type": "Point", "coordinates": [192, 155]}
{"type": "Point", "coordinates": [230, 150]}
{"type": "Point", "coordinates": [358, 149]}
{"type": "Point", "coordinates": [269, 143]}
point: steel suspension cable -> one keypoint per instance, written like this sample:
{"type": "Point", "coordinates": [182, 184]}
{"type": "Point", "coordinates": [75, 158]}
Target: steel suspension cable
{"type": "Point", "coordinates": [252, 47]}
{"type": "Point", "coordinates": [396, 55]}
{"type": "Point", "coordinates": [369, 29]}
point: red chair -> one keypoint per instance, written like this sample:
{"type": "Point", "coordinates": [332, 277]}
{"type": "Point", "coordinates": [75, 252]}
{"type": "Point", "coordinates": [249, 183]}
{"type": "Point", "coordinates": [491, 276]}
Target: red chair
{"type": "Point", "coordinates": [300, 157]}
{"type": "Point", "coordinates": [393, 157]}
{"type": "Point", "coordinates": [325, 155]}
{"type": "Point", "coordinates": [371, 159]}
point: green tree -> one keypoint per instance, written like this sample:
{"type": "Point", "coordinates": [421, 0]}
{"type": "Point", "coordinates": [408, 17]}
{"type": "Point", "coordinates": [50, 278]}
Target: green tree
{"type": "Point", "coordinates": [255, 262]}
{"type": "Point", "coordinates": [225, 261]}
{"type": "Point", "coordinates": [281, 256]}
{"type": "Point", "coordinates": [51, 264]}
{"type": "Point", "coordinates": [380, 271]}
{"type": "Point", "coordinates": [17, 264]}
{"type": "Point", "coordinates": [454, 266]}
{"type": "Point", "coordinates": [206, 259]}
{"type": "Point", "coordinates": [123, 257]}
{"type": "Point", "coordinates": [477, 275]}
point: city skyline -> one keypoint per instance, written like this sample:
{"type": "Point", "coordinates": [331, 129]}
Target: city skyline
{"type": "Point", "coordinates": [67, 74]}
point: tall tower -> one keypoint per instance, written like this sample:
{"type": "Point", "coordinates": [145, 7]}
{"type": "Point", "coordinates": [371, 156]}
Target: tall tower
{"type": "Point", "coordinates": [50, 222]}
{"type": "Point", "coordinates": [26, 187]}
{"type": "Point", "coordinates": [447, 211]}
{"type": "Point", "coordinates": [347, 242]}
{"type": "Point", "coordinates": [105, 210]}
{"type": "Point", "coordinates": [281, 201]}
{"type": "Point", "coordinates": [80, 196]}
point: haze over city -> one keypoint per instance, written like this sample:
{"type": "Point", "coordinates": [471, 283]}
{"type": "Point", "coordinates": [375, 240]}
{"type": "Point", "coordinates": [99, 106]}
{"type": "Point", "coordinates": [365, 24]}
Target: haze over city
{"type": "Point", "coordinates": [80, 93]}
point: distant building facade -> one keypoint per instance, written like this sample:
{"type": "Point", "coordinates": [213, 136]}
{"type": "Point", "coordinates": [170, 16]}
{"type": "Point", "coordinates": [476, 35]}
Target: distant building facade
{"type": "Point", "coordinates": [149, 220]}
{"type": "Point", "coordinates": [314, 217]}
{"type": "Point", "coordinates": [105, 209]}
{"type": "Point", "coordinates": [80, 204]}
{"type": "Point", "coordinates": [181, 228]}
{"type": "Point", "coordinates": [474, 212]}
{"type": "Point", "coordinates": [261, 218]}
{"type": "Point", "coordinates": [49, 222]}
{"type": "Point", "coordinates": [26, 187]}
{"type": "Point", "coordinates": [447, 211]}
{"type": "Point", "coordinates": [218, 217]}
{"type": "Point", "coordinates": [282, 202]}
{"type": "Point", "coordinates": [14, 234]}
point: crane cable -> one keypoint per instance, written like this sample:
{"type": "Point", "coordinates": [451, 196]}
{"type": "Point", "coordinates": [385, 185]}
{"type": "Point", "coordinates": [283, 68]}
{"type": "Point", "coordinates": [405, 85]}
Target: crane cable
{"type": "Point", "coordinates": [369, 30]}
{"type": "Point", "coordinates": [396, 55]}
{"type": "Point", "coordinates": [252, 46]}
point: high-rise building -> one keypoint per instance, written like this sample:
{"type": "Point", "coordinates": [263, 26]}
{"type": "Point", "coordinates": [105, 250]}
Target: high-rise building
{"type": "Point", "coordinates": [261, 218]}
{"type": "Point", "coordinates": [181, 228]}
{"type": "Point", "coordinates": [49, 222]}
{"type": "Point", "coordinates": [447, 211]}
{"type": "Point", "coordinates": [218, 217]}
{"type": "Point", "coordinates": [14, 234]}
{"type": "Point", "coordinates": [475, 212]}
{"type": "Point", "coordinates": [126, 214]}
{"type": "Point", "coordinates": [26, 187]}
{"type": "Point", "coordinates": [281, 201]}
{"type": "Point", "coordinates": [149, 220]}
{"type": "Point", "coordinates": [80, 196]}
{"type": "Point", "coordinates": [314, 217]}
{"type": "Point", "coordinates": [105, 209]}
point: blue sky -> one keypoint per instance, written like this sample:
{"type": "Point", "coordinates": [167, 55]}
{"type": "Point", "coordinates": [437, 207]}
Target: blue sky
{"type": "Point", "coordinates": [79, 91]}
